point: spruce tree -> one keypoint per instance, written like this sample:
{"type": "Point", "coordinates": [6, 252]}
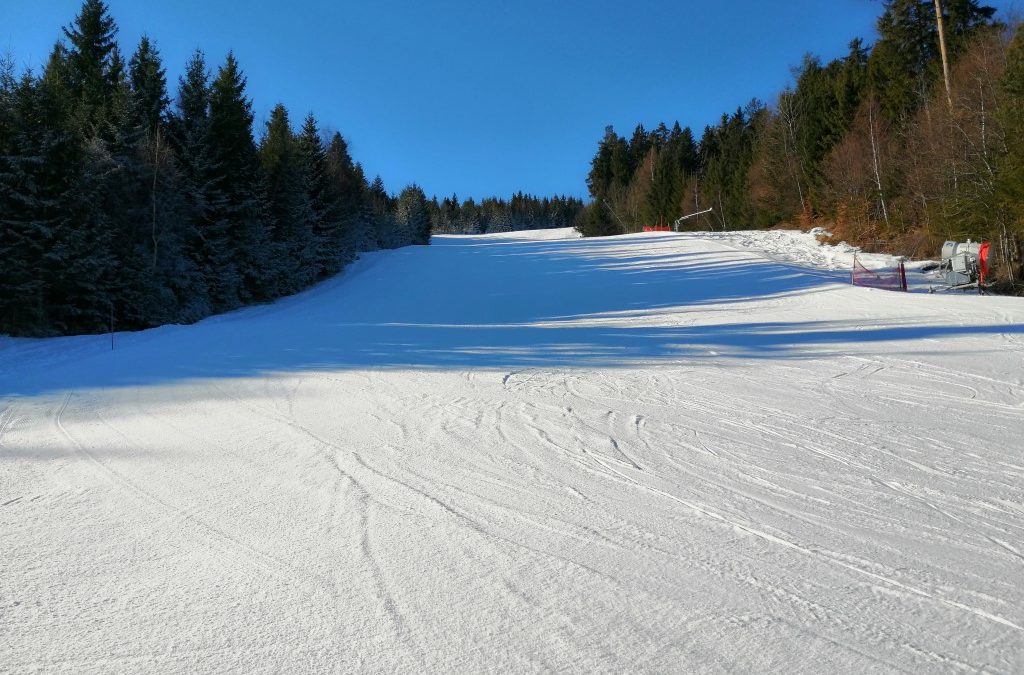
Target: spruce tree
{"type": "Point", "coordinates": [289, 203]}
{"type": "Point", "coordinates": [347, 189]}
{"type": "Point", "coordinates": [412, 217]}
{"type": "Point", "coordinates": [149, 87]}
{"type": "Point", "coordinates": [24, 233]}
{"type": "Point", "coordinates": [240, 210]}
{"type": "Point", "coordinates": [93, 64]}
{"type": "Point", "coordinates": [206, 240]}
{"type": "Point", "coordinates": [382, 216]}
{"type": "Point", "coordinates": [905, 61]}
{"type": "Point", "coordinates": [326, 225]}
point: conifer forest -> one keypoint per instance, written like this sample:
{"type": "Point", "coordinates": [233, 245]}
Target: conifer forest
{"type": "Point", "coordinates": [123, 209]}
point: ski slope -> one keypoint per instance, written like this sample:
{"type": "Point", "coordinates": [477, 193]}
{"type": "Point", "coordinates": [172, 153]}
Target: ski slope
{"type": "Point", "coordinates": [521, 453]}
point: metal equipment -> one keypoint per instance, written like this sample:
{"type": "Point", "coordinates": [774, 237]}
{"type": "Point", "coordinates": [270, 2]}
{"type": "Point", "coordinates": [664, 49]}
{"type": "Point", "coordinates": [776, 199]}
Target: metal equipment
{"type": "Point", "coordinates": [675, 225]}
{"type": "Point", "coordinates": [964, 264]}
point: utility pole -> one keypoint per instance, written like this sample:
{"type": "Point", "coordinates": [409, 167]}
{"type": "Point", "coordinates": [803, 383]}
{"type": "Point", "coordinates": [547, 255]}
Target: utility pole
{"type": "Point", "coordinates": [942, 48]}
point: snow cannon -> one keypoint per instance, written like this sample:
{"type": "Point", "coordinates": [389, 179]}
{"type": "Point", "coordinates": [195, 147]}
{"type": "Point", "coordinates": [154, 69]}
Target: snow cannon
{"type": "Point", "coordinates": [964, 264]}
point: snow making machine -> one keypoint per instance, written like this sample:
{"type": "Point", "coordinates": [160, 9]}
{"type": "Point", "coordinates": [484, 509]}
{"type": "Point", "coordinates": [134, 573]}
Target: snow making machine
{"type": "Point", "coordinates": [964, 265]}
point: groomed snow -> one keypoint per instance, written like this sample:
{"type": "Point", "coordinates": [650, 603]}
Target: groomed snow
{"type": "Point", "coordinates": [651, 453]}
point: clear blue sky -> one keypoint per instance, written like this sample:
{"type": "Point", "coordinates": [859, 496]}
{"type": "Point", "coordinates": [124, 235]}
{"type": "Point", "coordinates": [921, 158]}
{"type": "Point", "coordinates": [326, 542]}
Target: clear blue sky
{"type": "Point", "coordinates": [481, 97]}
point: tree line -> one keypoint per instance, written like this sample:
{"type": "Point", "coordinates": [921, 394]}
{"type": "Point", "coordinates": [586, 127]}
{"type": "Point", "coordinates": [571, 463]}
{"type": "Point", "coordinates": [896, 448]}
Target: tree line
{"type": "Point", "coordinates": [521, 212]}
{"type": "Point", "coordinates": [120, 206]}
{"type": "Point", "coordinates": [870, 144]}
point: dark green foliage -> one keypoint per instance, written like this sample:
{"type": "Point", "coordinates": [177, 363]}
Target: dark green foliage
{"type": "Point", "coordinates": [596, 221]}
{"type": "Point", "coordinates": [413, 216]}
{"type": "Point", "coordinates": [241, 209]}
{"type": "Point", "coordinates": [521, 212]}
{"type": "Point", "coordinates": [149, 87]}
{"type": "Point", "coordinates": [289, 173]}
{"type": "Point", "coordinates": [94, 65]}
{"type": "Point", "coordinates": [845, 142]}
{"type": "Point", "coordinates": [904, 63]}
{"type": "Point", "coordinates": [114, 207]}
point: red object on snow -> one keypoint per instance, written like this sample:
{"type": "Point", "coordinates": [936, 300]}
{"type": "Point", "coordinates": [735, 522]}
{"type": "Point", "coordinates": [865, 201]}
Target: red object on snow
{"type": "Point", "coordinates": [983, 262]}
{"type": "Point", "coordinates": [657, 228]}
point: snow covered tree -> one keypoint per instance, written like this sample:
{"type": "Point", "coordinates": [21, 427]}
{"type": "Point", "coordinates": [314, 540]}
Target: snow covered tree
{"type": "Point", "coordinates": [412, 216]}
{"type": "Point", "coordinates": [241, 210]}
{"type": "Point", "coordinates": [290, 206]}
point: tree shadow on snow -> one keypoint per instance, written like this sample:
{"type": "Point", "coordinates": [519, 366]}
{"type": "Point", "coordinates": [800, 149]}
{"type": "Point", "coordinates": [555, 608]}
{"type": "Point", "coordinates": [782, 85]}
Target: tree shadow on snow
{"type": "Point", "coordinates": [471, 302]}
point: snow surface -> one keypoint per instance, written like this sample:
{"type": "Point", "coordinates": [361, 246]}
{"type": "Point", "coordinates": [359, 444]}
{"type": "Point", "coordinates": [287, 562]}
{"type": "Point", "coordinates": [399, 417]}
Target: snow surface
{"type": "Point", "coordinates": [530, 452]}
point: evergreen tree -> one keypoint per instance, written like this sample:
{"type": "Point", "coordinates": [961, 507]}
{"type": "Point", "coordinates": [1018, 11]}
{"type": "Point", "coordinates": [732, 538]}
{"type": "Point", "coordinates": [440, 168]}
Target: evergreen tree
{"type": "Point", "coordinates": [327, 225]}
{"type": "Point", "coordinates": [905, 61]}
{"type": "Point", "coordinates": [412, 216]}
{"type": "Point", "coordinates": [25, 231]}
{"type": "Point", "coordinates": [241, 209]}
{"type": "Point", "coordinates": [380, 210]}
{"type": "Point", "coordinates": [289, 176]}
{"type": "Point", "coordinates": [347, 189]}
{"type": "Point", "coordinates": [206, 241]}
{"type": "Point", "coordinates": [93, 64]}
{"type": "Point", "coordinates": [149, 88]}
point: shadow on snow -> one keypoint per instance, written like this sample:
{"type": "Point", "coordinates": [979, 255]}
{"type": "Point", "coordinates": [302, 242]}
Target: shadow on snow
{"type": "Point", "coordinates": [472, 302]}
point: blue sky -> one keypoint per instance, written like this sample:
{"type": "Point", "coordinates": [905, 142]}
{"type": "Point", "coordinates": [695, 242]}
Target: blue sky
{"type": "Point", "coordinates": [481, 97]}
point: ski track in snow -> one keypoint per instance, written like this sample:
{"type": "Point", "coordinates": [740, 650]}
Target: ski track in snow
{"type": "Point", "coordinates": [528, 452]}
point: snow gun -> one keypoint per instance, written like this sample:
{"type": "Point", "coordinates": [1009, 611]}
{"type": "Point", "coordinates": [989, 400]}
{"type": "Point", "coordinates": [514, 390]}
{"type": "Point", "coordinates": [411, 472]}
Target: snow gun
{"type": "Point", "coordinates": [964, 264]}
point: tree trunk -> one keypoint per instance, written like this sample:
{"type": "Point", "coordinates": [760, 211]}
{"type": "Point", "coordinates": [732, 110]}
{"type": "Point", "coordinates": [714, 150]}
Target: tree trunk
{"type": "Point", "coordinates": [156, 173]}
{"type": "Point", "coordinates": [875, 163]}
{"type": "Point", "coordinates": [942, 48]}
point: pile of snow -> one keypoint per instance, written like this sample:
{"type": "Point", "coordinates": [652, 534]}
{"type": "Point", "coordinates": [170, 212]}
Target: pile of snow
{"type": "Point", "coordinates": [808, 249]}
{"type": "Point", "coordinates": [653, 453]}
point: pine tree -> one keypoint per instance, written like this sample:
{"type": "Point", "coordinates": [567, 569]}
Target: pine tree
{"type": "Point", "coordinates": [241, 209]}
{"type": "Point", "coordinates": [144, 200]}
{"type": "Point", "coordinates": [905, 63]}
{"type": "Point", "coordinates": [327, 226]}
{"type": "Point", "coordinates": [93, 65]}
{"type": "Point", "coordinates": [290, 205]}
{"type": "Point", "coordinates": [149, 87]}
{"type": "Point", "coordinates": [206, 241]}
{"type": "Point", "coordinates": [24, 234]}
{"type": "Point", "coordinates": [412, 217]}
{"type": "Point", "coordinates": [354, 230]}
{"type": "Point", "coordinates": [381, 212]}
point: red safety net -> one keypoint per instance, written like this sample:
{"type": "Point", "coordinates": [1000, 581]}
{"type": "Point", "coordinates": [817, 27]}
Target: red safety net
{"type": "Point", "coordinates": [888, 279]}
{"type": "Point", "coordinates": [657, 228]}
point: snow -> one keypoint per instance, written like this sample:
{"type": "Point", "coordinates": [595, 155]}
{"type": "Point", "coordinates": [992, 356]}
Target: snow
{"type": "Point", "coordinates": [527, 452]}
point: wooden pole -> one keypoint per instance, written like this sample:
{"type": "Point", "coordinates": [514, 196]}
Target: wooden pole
{"type": "Point", "coordinates": [942, 48]}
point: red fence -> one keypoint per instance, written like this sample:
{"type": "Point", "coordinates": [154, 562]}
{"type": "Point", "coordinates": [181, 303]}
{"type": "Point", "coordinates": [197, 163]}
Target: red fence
{"type": "Point", "coordinates": [657, 228]}
{"type": "Point", "coordinates": [890, 279]}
